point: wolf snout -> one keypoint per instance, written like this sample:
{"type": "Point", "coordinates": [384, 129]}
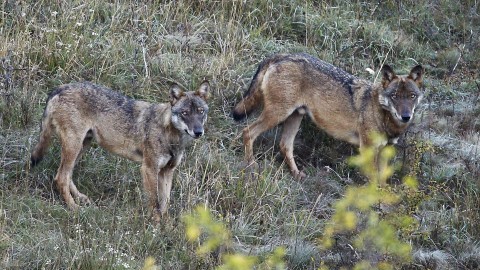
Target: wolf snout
{"type": "Point", "coordinates": [406, 117]}
{"type": "Point", "coordinates": [198, 132]}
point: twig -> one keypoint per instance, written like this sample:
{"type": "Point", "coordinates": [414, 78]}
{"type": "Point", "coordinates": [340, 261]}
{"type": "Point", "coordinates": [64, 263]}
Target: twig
{"type": "Point", "coordinates": [458, 60]}
{"type": "Point", "coordinates": [478, 94]}
{"type": "Point", "coordinates": [144, 53]}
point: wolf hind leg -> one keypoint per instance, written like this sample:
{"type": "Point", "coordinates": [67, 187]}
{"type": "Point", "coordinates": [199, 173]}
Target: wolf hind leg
{"type": "Point", "coordinates": [87, 142]}
{"type": "Point", "coordinates": [71, 148]}
{"type": "Point", "coordinates": [266, 121]}
{"type": "Point", "coordinates": [290, 130]}
{"type": "Point", "coordinates": [80, 197]}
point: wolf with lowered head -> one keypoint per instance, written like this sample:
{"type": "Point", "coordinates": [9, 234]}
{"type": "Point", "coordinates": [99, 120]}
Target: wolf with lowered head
{"type": "Point", "coordinates": [288, 86]}
{"type": "Point", "coordinates": [153, 134]}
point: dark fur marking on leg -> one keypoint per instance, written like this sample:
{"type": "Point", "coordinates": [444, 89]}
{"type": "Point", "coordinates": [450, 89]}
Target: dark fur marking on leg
{"type": "Point", "coordinates": [34, 161]}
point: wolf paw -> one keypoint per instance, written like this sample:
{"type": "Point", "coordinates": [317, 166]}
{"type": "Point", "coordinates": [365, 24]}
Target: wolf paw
{"type": "Point", "coordinates": [156, 217]}
{"type": "Point", "coordinates": [73, 206]}
{"type": "Point", "coordinates": [299, 175]}
{"type": "Point", "coordinates": [83, 199]}
{"type": "Point", "coordinates": [159, 217]}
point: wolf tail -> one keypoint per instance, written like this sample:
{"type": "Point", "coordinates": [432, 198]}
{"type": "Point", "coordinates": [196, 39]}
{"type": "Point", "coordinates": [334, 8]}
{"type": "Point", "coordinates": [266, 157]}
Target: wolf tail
{"type": "Point", "coordinates": [253, 97]}
{"type": "Point", "coordinates": [46, 132]}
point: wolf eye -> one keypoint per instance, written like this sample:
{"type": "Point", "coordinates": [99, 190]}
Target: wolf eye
{"type": "Point", "coordinates": [184, 113]}
{"type": "Point", "coordinates": [413, 96]}
{"type": "Point", "coordinates": [394, 96]}
{"type": "Point", "coordinates": [201, 111]}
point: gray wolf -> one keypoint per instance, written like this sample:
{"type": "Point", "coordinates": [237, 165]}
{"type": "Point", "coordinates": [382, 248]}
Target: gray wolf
{"type": "Point", "coordinates": [154, 135]}
{"type": "Point", "coordinates": [288, 86]}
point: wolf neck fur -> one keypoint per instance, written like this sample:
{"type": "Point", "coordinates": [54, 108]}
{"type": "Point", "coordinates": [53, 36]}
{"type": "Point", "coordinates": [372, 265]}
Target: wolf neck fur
{"type": "Point", "coordinates": [161, 114]}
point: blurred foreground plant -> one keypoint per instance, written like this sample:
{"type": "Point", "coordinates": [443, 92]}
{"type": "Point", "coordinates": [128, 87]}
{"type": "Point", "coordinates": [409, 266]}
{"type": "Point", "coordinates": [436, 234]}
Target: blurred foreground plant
{"type": "Point", "coordinates": [149, 264]}
{"type": "Point", "coordinates": [211, 234]}
{"type": "Point", "coordinates": [355, 212]}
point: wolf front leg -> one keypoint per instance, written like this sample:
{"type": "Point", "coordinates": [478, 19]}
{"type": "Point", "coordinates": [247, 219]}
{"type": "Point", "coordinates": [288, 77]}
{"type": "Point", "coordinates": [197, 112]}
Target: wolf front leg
{"type": "Point", "coordinates": [150, 176]}
{"type": "Point", "coordinates": [375, 142]}
{"type": "Point", "coordinates": [165, 178]}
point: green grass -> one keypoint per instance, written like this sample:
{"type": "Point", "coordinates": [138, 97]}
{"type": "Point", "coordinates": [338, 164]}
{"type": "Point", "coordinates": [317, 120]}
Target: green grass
{"type": "Point", "coordinates": [138, 48]}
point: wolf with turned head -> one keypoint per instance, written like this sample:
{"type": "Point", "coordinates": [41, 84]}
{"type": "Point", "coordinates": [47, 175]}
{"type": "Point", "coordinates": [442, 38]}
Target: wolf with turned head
{"type": "Point", "coordinates": [153, 134]}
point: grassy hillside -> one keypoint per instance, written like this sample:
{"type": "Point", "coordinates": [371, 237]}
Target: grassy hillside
{"type": "Point", "coordinates": [137, 48]}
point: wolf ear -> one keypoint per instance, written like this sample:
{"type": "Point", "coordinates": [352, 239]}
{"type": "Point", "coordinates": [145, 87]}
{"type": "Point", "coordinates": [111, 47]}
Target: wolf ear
{"type": "Point", "coordinates": [416, 74]}
{"type": "Point", "coordinates": [388, 75]}
{"type": "Point", "coordinates": [202, 91]}
{"type": "Point", "coordinates": [176, 92]}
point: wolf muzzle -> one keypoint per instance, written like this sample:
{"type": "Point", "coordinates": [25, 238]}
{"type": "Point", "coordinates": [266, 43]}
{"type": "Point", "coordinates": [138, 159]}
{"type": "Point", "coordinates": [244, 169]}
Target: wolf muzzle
{"type": "Point", "coordinates": [406, 117]}
{"type": "Point", "coordinates": [198, 132]}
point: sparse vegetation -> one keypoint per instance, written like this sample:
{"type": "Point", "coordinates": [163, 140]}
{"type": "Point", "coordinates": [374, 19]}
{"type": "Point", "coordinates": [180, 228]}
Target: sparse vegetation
{"type": "Point", "coordinates": [136, 48]}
